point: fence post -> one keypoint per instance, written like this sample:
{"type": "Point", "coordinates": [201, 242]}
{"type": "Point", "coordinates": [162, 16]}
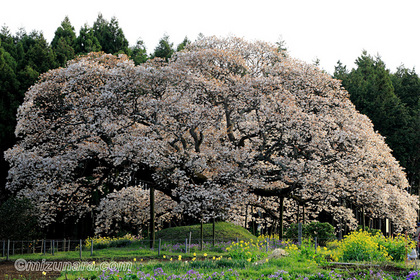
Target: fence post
{"type": "Point", "coordinates": [91, 247]}
{"type": "Point", "coordinates": [64, 245]}
{"type": "Point", "coordinates": [69, 248]}
{"type": "Point", "coordinates": [13, 248]}
{"type": "Point", "coordinates": [52, 247]}
{"type": "Point", "coordinates": [237, 239]}
{"type": "Point", "coordinates": [44, 242]}
{"type": "Point", "coordinates": [80, 248]}
{"type": "Point", "coordinates": [189, 249]}
{"type": "Point", "coordinates": [8, 248]}
{"type": "Point", "coordinates": [21, 249]}
{"type": "Point", "coordinates": [33, 246]}
{"type": "Point", "coordinates": [186, 245]}
{"type": "Point", "coordinates": [266, 245]}
{"type": "Point", "coordinates": [214, 232]}
{"type": "Point", "coordinates": [160, 243]}
{"type": "Point", "coordinates": [4, 248]}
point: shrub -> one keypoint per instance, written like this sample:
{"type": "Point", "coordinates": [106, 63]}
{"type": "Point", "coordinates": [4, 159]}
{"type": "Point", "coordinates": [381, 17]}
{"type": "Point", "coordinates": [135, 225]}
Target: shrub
{"type": "Point", "coordinates": [361, 246]}
{"type": "Point", "coordinates": [397, 246]}
{"type": "Point", "coordinates": [250, 251]}
{"type": "Point", "coordinates": [17, 220]}
{"type": "Point", "coordinates": [365, 246]}
{"type": "Point", "coordinates": [323, 231]}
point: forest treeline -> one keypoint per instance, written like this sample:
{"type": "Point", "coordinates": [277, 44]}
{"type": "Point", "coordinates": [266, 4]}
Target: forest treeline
{"type": "Point", "coordinates": [390, 99]}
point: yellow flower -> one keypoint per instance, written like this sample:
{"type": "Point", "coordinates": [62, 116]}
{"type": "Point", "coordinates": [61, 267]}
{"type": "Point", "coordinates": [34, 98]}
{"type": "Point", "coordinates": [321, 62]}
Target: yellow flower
{"type": "Point", "coordinates": [134, 259]}
{"type": "Point", "coordinates": [179, 257]}
{"type": "Point", "coordinates": [164, 256]}
{"type": "Point", "coordinates": [171, 259]}
{"type": "Point", "coordinates": [205, 254]}
{"type": "Point", "coordinates": [214, 257]}
{"type": "Point", "coordinates": [248, 260]}
{"type": "Point", "coordinates": [194, 254]}
{"type": "Point", "coordinates": [193, 259]}
{"type": "Point", "coordinates": [44, 273]}
{"type": "Point", "coordinates": [93, 262]}
{"type": "Point", "coordinates": [266, 260]}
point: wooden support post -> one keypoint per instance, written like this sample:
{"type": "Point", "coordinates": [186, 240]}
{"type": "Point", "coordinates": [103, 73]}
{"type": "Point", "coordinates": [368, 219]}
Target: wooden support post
{"type": "Point", "coordinates": [91, 247]}
{"type": "Point", "coordinates": [152, 217]}
{"type": "Point", "coordinates": [80, 248]}
{"type": "Point", "coordinates": [300, 234]}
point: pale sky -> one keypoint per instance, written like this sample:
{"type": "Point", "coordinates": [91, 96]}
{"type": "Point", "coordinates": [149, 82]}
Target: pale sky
{"type": "Point", "coordinates": [329, 30]}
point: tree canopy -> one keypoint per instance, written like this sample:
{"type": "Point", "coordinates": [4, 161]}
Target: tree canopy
{"type": "Point", "coordinates": [222, 121]}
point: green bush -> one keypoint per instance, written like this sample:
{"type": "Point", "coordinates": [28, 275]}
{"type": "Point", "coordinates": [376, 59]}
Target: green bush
{"type": "Point", "coordinates": [323, 231]}
{"type": "Point", "coordinates": [361, 246]}
{"type": "Point", "coordinates": [17, 220]}
{"type": "Point", "coordinates": [397, 246]}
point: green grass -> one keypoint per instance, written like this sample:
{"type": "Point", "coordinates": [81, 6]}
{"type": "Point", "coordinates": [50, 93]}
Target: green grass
{"type": "Point", "coordinates": [300, 261]}
{"type": "Point", "coordinates": [223, 231]}
{"type": "Point", "coordinates": [245, 269]}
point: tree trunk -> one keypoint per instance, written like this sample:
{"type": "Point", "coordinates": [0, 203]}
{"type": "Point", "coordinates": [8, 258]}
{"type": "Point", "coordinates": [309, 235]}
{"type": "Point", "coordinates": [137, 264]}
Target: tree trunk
{"type": "Point", "coordinates": [281, 218]}
{"type": "Point", "coordinates": [152, 217]}
{"type": "Point", "coordinates": [303, 214]}
{"type": "Point", "coordinates": [363, 218]}
{"type": "Point", "coordinates": [246, 216]}
{"type": "Point", "coordinates": [252, 220]}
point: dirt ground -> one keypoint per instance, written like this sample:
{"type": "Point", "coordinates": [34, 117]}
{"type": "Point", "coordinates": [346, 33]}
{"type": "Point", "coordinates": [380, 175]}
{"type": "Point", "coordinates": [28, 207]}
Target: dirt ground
{"type": "Point", "coordinates": [8, 271]}
{"type": "Point", "coordinates": [390, 269]}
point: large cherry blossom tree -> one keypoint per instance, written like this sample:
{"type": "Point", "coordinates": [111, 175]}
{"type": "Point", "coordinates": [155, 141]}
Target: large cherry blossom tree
{"type": "Point", "coordinates": [224, 122]}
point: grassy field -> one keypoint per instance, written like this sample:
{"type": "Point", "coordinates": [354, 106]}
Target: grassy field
{"type": "Point", "coordinates": [251, 258]}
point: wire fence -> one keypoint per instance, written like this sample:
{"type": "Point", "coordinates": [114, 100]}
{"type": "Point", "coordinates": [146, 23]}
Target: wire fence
{"type": "Point", "coordinates": [183, 245]}
{"type": "Point", "coordinates": [43, 246]}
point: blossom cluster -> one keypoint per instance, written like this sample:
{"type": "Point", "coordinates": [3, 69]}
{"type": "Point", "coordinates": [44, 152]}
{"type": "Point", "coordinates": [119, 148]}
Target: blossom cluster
{"type": "Point", "coordinates": [225, 124]}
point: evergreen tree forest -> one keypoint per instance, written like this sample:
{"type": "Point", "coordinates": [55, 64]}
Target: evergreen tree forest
{"type": "Point", "coordinates": [392, 102]}
{"type": "Point", "coordinates": [390, 99]}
